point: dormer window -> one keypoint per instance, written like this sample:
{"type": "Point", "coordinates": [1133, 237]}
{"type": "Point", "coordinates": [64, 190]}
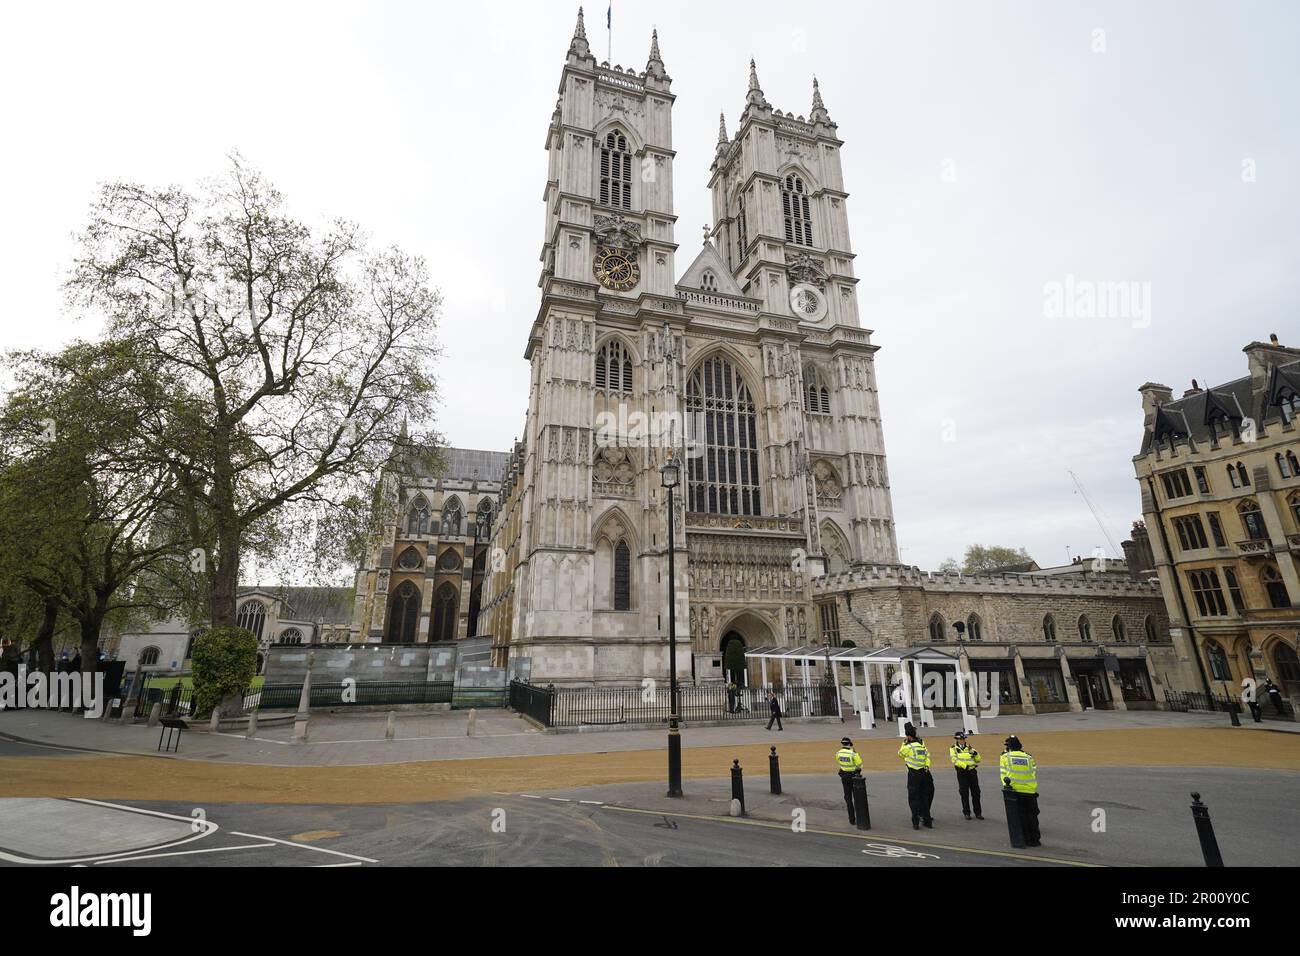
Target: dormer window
{"type": "Point", "coordinates": [794, 205]}
{"type": "Point", "coordinates": [615, 172]}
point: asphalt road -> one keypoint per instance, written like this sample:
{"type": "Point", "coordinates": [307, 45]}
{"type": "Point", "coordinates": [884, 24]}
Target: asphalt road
{"type": "Point", "coordinates": [501, 831]}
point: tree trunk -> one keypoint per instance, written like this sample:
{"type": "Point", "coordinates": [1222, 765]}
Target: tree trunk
{"type": "Point", "coordinates": [45, 636]}
{"type": "Point", "coordinates": [90, 644]}
{"type": "Point", "coordinates": [225, 575]}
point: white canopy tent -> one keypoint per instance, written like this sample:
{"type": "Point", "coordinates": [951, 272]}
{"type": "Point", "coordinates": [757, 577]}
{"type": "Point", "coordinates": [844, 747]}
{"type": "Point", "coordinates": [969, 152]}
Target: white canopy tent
{"type": "Point", "coordinates": [907, 663]}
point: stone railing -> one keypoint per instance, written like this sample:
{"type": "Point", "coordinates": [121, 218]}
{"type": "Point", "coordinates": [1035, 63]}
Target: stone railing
{"type": "Point", "coordinates": [714, 300]}
{"type": "Point", "coordinates": [1253, 547]}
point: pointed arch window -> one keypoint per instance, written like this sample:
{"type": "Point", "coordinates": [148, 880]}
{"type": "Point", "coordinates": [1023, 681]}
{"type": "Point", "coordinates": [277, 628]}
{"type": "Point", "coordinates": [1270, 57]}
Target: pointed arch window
{"type": "Point", "coordinates": [794, 205]}
{"type": "Point", "coordinates": [622, 577]}
{"type": "Point", "coordinates": [1049, 629]}
{"type": "Point", "coordinates": [1252, 521]}
{"type": "Point", "coordinates": [403, 614]}
{"type": "Point", "coordinates": [290, 635]}
{"type": "Point", "coordinates": [149, 656]}
{"type": "Point", "coordinates": [252, 617]}
{"type": "Point", "coordinates": [1286, 663]}
{"type": "Point", "coordinates": [453, 518]}
{"type": "Point", "coordinates": [974, 628]}
{"type": "Point", "coordinates": [816, 396]}
{"type": "Point", "coordinates": [1294, 502]}
{"type": "Point", "coordinates": [742, 230]}
{"type": "Point", "coordinates": [1275, 587]}
{"type": "Point", "coordinates": [1219, 669]}
{"type": "Point", "coordinates": [1118, 630]}
{"type": "Point", "coordinates": [417, 519]}
{"type": "Point", "coordinates": [1085, 629]}
{"type": "Point", "coordinates": [445, 608]}
{"type": "Point", "coordinates": [615, 172]}
{"type": "Point", "coordinates": [722, 426]}
{"type": "Point", "coordinates": [613, 367]}
{"type": "Point", "coordinates": [1149, 625]}
{"type": "Point", "coordinates": [938, 630]}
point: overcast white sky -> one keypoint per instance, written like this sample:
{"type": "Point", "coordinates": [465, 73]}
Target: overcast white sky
{"type": "Point", "coordinates": [989, 150]}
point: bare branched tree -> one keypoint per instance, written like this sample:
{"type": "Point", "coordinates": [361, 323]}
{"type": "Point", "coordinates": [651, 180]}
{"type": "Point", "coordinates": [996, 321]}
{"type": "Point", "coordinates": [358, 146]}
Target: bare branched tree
{"type": "Point", "coordinates": [300, 355]}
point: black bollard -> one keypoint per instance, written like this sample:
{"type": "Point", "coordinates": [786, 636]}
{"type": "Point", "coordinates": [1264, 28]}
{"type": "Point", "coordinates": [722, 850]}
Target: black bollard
{"type": "Point", "coordinates": [774, 771]}
{"type": "Point", "coordinates": [860, 808]}
{"type": "Point", "coordinates": [738, 785]}
{"type": "Point", "coordinates": [1011, 800]}
{"type": "Point", "coordinates": [1232, 714]}
{"type": "Point", "coordinates": [1205, 832]}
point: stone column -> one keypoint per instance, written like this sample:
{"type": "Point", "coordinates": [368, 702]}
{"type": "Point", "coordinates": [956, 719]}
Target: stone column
{"type": "Point", "coordinates": [1157, 688]}
{"type": "Point", "coordinates": [1026, 705]}
{"type": "Point", "coordinates": [1116, 694]}
{"type": "Point", "coordinates": [1071, 687]}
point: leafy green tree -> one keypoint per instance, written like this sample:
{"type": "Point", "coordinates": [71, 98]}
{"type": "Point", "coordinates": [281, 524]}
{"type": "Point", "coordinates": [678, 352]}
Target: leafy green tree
{"type": "Point", "coordinates": [982, 559]}
{"type": "Point", "coordinates": [224, 661]}
{"type": "Point", "coordinates": [301, 355]}
{"type": "Point", "coordinates": [80, 492]}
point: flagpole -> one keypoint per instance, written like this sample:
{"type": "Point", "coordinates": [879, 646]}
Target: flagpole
{"type": "Point", "coordinates": [609, 27]}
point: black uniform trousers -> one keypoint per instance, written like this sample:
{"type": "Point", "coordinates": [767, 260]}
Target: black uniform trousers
{"type": "Point", "coordinates": [846, 781]}
{"type": "Point", "coordinates": [968, 785]}
{"type": "Point", "coordinates": [920, 794]}
{"type": "Point", "coordinates": [1028, 803]}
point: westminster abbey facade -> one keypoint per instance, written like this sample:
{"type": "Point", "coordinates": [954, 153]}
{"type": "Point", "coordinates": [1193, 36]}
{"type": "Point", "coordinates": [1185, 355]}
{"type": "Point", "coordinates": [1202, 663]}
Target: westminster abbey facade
{"type": "Point", "coordinates": [750, 367]}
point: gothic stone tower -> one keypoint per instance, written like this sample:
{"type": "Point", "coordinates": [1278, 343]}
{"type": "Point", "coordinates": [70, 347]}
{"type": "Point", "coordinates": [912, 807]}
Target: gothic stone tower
{"type": "Point", "coordinates": [589, 572]}
{"type": "Point", "coordinates": [752, 369]}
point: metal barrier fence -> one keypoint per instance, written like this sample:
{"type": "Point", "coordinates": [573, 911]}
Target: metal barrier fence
{"type": "Point", "coordinates": [358, 693]}
{"type": "Point", "coordinates": [1183, 701]}
{"type": "Point", "coordinates": [178, 700]}
{"type": "Point", "coordinates": [591, 706]}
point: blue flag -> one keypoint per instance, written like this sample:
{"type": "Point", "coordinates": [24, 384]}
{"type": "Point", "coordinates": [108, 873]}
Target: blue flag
{"type": "Point", "coordinates": [609, 16]}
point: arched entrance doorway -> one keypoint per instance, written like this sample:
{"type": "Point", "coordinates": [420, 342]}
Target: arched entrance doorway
{"type": "Point", "coordinates": [733, 657]}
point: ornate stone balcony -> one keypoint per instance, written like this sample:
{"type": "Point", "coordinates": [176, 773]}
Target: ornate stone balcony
{"type": "Point", "coordinates": [1254, 548]}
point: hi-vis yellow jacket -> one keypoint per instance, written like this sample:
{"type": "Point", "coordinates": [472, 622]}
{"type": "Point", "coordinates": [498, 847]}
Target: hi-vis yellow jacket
{"type": "Point", "coordinates": [1019, 767]}
{"type": "Point", "coordinates": [963, 758]}
{"type": "Point", "coordinates": [847, 760]}
{"type": "Point", "coordinates": [915, 755]}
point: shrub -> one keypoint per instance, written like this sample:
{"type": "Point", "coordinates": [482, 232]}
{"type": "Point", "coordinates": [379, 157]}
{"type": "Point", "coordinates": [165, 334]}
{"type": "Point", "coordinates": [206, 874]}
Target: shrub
{"type": "Point", "coordinates": [224, 663]}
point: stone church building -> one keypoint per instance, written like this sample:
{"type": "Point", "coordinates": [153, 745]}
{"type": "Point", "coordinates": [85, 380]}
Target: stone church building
{"type": "Point", "coordinates": [746, 361]}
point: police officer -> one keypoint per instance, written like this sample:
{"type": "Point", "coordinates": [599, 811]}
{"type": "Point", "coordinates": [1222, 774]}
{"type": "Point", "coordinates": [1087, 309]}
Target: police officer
{"type": "Point", "coordinates": [967, 761]}
{"type": "Point", "coordinates": [849, 765]}
{"type": "Point", "coordinates": [920, 784]}
{"type": "Point", "coordinates": [1019, 772]}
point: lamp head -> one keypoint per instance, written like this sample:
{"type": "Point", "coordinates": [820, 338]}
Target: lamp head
{"type": "Point", "coordinates": [670, 472]}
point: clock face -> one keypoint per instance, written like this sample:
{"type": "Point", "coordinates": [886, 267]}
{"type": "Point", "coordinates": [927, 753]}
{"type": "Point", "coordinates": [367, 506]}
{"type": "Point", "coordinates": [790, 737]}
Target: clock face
{"type": "Point", "coordinates": [616, 270]}
{"type": "Point", "coordinates": [807, 303]}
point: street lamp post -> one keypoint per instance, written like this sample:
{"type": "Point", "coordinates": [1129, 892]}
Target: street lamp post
{"type": "Point", "coordinates": [670, 473]}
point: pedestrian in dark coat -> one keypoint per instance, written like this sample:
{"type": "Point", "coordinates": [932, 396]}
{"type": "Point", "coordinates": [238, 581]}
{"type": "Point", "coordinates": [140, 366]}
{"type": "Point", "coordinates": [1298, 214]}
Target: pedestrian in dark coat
{"type": "Point", "coordinates": [774, 706]}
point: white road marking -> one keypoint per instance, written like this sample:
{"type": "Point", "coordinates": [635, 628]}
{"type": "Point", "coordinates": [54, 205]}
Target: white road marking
{"type": "Point", "coordinates": [211, 849]}
{"type": "Point", "coordinates": [328, 866]}
{"type": "Point", "coordinates": [209, 829]}
{"type": "Point", "coordinates": [560, 799]}
{"type": "Point", "coordinates": [596, 803]}
{"type": "Point", "coordinates": [304, 846]}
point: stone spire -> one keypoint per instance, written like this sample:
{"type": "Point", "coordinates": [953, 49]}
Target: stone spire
{"type": "Point", "coordinates": [655, 65]}
{"type": "Point", "coordinates": [818, 114]}
{"type": "Point", "coordinates": [722, 129]}
{"type": "Point", "coordinates": [755, 96]}
{"type": "Point", "coordinates": [578, 47]}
